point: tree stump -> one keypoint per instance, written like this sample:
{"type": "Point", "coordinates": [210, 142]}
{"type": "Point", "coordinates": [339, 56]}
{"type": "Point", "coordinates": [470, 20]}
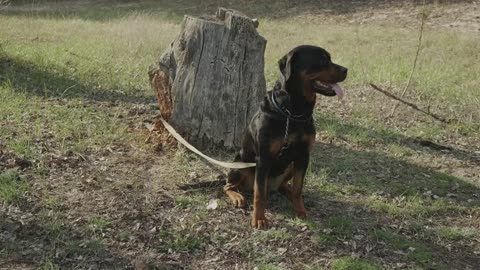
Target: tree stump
{"type": "Point", "coordinates": [210, 81]}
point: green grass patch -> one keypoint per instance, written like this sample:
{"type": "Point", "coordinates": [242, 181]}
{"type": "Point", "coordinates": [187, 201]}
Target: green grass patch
{"type": "Point", "coordinates": [54, 223]}
{"type": "Point", "coordinates": [98, 225]}
{"type": "Point", "coordinates": [181, 240]}
{"type": "Point", "coordinates": [124, 236]}
{"type": "Point", "coordinates": [413, 207]}
{"type": "Point", "coordinates": [399, 150]}
{"type": "Point", "coordinates": [457, 233]}
{"type": "Point", "coordinates": [49, 264]}
{"type": "Point", "coordinates": [415, 251]}
{"type": "Point", "coordinates": [269, 267]}
{"type": "Point", "coordinates": [22, 146]}
{"type": "Point", "coordinates": [272, 235]}
{"type": "Point", "coordinates": [318, 180]}
{"type": "Point", "coordinates": [184, 201]}
{"type": "Point", "coordinates": [53, 202]}
{"type": "Point", "coordinates": [12, 187]}
{"type": "Point", "coordinates": [310, 223]}
{"type": "Point", "coordinates": [85, 248]}
{"type": "Point", "coordinates": [340, 225]}
{"type": "Point", "coordinates": [76, 127]}
{"type": "Point", "coordinates": [320, 238]}
{"type": "Point", "coordinates": [350, 263]}
{"type": "Point", "coordinates": [193, 200]}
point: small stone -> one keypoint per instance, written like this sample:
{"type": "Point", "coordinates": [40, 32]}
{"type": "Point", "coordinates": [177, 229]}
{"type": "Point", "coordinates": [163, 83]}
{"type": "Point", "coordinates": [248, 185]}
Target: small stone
{"type": "Point", "coordinates": [212, 204]}
{"type": "Point", "coordinates": [428, 193]}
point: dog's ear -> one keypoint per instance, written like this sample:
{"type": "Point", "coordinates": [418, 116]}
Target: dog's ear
{"type": "Point", "coordinates": [284, 64]}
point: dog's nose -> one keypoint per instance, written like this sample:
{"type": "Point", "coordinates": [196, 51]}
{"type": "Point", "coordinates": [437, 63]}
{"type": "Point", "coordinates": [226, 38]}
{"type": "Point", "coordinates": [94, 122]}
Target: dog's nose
{"type": "Point", "coordinates": [344, 70]}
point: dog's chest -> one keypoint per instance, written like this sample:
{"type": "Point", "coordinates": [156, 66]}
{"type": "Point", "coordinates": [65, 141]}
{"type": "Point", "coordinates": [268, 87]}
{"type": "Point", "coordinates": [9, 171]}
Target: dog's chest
{"type": "Point", "coordinates": [274, 182]}
{"type": "Point", "coordinates": [297, 147]}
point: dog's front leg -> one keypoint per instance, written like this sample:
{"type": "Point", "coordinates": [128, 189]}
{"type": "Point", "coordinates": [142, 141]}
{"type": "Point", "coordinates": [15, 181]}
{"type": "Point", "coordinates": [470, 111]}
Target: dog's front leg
{"type": "Point", "coordinates": [300, 168]}
{"type": "Point", "coordinates": [259, 221]}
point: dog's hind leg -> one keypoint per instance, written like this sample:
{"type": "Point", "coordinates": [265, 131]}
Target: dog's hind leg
{"type": "Point", "coordinates": [239, 180]}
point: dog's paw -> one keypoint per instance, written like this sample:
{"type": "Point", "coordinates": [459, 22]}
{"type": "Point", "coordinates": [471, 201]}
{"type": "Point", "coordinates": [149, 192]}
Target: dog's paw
{"type": "Point", "coordinates": [299, 208]}
{"type": "Point", "coordinates": [238, 200]}
{"type": "Point", "coordinates": [260, 223]}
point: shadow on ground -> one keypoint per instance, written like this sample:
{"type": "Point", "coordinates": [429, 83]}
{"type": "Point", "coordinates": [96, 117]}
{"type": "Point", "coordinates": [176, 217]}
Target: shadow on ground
{"type": "Point", "coordinates": [344, 128]}
{"type": "Point", "coordinates": [356, 174]}
{"type": "Point", "coordinates": [378, 233]}
{"type": "Point", "coordinates": [31, 244]}
{"type": "Point", "coordinates": [22, 76]}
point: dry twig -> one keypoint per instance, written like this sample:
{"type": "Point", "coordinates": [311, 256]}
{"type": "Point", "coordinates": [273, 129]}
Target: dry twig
{"type": "Point", "coordinates": [419, 45]}
{"type": "Point", "coordinates": [388, 94]}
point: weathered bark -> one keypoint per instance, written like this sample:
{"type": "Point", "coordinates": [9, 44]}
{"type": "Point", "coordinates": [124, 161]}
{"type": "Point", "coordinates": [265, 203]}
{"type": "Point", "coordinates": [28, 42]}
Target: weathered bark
{"type": "Point", "coordinates": [210, 81]}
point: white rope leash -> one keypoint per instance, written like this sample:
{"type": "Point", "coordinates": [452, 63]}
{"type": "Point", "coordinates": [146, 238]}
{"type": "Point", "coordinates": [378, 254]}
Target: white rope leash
{"type": "Point", "coordinates": [229, 165]}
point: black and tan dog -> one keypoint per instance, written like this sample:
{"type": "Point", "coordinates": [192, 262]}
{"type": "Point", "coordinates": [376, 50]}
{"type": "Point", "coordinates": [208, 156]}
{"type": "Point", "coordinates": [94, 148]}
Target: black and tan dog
{"type": "Point", "coordinates": [281, 134]}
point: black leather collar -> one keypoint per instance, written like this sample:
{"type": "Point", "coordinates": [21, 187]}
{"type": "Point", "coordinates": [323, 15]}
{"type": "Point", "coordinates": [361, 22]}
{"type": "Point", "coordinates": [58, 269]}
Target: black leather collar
{"type": "Point", "coordinates": [285, 112]}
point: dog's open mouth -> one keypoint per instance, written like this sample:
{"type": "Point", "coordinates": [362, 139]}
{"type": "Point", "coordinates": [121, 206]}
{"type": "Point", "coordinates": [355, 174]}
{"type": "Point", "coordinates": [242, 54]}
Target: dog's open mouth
{"type": "Point", "coordinates": [328, 89]}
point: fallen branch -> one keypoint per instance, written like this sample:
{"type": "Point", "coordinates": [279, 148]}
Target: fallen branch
{"type": "Point", "coordinates": [388, 94]}
{"type": "Point", "coordinates": [203, 185]}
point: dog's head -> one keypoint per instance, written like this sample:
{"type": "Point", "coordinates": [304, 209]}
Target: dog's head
{"type": "Point", "coordinates": [310, 69]}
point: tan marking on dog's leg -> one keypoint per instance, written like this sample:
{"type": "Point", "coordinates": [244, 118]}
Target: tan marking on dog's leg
{"type": "Point", "coordinates": [310, 139]}
{"type": "Point", "coordinates": [259, 221]}
{"type": "Point", "coordinates": [237, 199]}
{"type": "Point", "coordinates": [296, 194]}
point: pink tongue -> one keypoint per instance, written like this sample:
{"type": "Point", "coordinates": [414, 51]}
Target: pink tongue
{"type": "Point", "coordinates": [337, 89]}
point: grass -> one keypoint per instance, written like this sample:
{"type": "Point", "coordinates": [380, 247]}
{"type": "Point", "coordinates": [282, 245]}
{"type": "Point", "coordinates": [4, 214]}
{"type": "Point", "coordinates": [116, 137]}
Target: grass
{"type": "Point", "coordinates": [72, 77]}
{"type": "Point", "coordinates": [180, 240]}
{"type": "Point", "coordinates": [456, 233]}
{"type": "Point", "coordinates": [49, 265]}
{"type": "Point", "coordinates": [12, 187]}
{"type": "Point", "coordinates": [415, 207]}
{"type": "Point", "coordinates": [269, 267]}
{"type": "Point", "coordinates": [340, 225]}
{"type": "Point", "coordinates": [105, 47]}
{"type": "Point", "coordinates": [349, 263]}
{"type": "Point", "coordinates": [183, 201]}
{"type": "Point", "coordinates": [54, 223]}
{"type": "Point", "coordinates": [191, 201]}
{"type": "Point", "coordinates": [85, 248]}
{"type": "Point", "coordinates": [99, 224]}
{"type": "Point", "coordinates": [273, 235]}
{"type": "Point", "coordinates": [414, 251]}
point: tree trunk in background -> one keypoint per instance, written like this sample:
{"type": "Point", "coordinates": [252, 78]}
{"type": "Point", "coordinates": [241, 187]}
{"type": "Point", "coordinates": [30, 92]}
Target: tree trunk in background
{"type": "Point", "coordinates": [210, 81]}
